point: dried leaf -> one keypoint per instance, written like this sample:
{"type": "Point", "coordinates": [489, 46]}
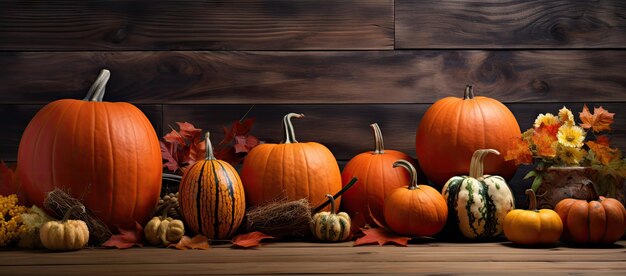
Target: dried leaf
{"type": "Point", "coordinates": [603, 153]}
{"type": "Point", "coordinates": [198, 242]}
{"type": "Point", "coordinates": [252, 239]}
{"type": "Point", "coordinates": [545, 141]}
{"type": "Point", "coordinates": [519, 151]}
{"type": "Point", "coordinates": [243, 144]}
{"type": "Point", "coordinates": [603, 140]}
{"type": "Point", "coordinates": [126, 238]}
{"type": "Point", "coordinates": [380, 236]}
{"type": "Point", "coordinates": [600, 120]}
{"type": "Point", "coordinates": [189, 132]}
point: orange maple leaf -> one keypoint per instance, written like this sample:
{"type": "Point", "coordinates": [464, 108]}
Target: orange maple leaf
{"type": "Point", "coordinates": [197, 242]}
{"type": "Point", "coordinates": [380, 236]}
{"type": "Point", "coordinates": [603, 140]}
{"type": "Point", "coordinates": [603, 153]}
{"type": "Point", "coordinates": [252, 239]}
{"type": "Point", "coordinates": [519, 151]}
{"type": "Point", "coordinates": [545, 142]}
{"type": "Point", "coordinates": [127, 238]}
{"type": "Point", "coordinates": [600, 120]}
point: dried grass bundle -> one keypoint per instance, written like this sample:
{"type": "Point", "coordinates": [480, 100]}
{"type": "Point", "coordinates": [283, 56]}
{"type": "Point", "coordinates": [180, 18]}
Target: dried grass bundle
{"type": "Point", "coordinates": [283, 219]}
{"type": "Point", "coordinates": [59, 202]}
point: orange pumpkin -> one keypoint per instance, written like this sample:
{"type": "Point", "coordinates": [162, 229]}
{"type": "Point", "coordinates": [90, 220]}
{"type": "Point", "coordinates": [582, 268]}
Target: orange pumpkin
{"type": "Point", "coordinates": [105, 153]}
{"type": "Point", "coordinates": [601, 221]}
{"type": "Point", "coordinates": [533, 226]}
{"type": "Point", "coordinates": [290, 170]}
{"type": "Point", "coordinates": [211, 197]}
{"type": "Point", "coordinates": [452, 129]}
{"type": "Point", "coordinates": [415, 210]}
{"type": "Point", "coordinates": [377, 179]}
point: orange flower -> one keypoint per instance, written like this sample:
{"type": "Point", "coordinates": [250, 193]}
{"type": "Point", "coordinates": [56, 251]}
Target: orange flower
{"type": "Point", "coordinates": [519, 150]}
{"type": "Point", "coordinates": [545, 141]}
{"type": "Point", "coordinates": [603, 153]}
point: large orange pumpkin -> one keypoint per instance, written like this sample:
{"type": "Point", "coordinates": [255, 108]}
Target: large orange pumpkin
{"type": "Point", "coordinates": [415, 210]}
{"type": "Point", "coordinates": [211, 197]}
{"type": "Point", "coordinates": [452, 129]}
{"type": "Point", "coordinates": [105, 153]}
{"type": "Point", "coordinates": [601, 221]}
{"type": "Point", "coordinates": [290, 170]}
{"type": "Point", "coordinates": [377, 179]}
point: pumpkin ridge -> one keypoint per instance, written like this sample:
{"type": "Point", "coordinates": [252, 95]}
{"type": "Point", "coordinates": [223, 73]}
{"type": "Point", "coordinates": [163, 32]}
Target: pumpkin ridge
{"type": "Point", "coordinates": [137, 201]}
{"type": "Point", "coordinates": [231, 193]}
{"type": "Point", "coordinates": [112, 163]}
{"type": "Point", "coordinates": [216, 218]}
{"type": "Point", "coordinates": [459, 121]}
{"type": "Point", "coordinates": [306, 170]}
{"type": "Point", "coordinates": [199, 198]}
{"type": "Point", "coordinates": [491, 221]}
{"type": "Point", "coordinates": [482, 115]}
{"type": "Point", "coordinates": [54, 140]}
{"type": "Point", "coordinates": [468, 206]}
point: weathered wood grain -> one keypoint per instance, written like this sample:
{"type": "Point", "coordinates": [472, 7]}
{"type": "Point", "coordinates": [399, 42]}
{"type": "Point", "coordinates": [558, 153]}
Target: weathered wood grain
{"type": "Point", "coordinates": [510, 24]}
{"type": "Point", "coordinates": [15, 118]}
{"type": "Point", "coordinates": [196, 25]}
{"type": "Point", "coordinates": [316, 77]}
{"type": "Point", "coordinates": [314, 258]}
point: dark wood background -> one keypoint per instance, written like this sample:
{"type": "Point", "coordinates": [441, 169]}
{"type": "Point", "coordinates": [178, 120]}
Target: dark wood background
{"type": "Point", "coordinates": [345, 64]}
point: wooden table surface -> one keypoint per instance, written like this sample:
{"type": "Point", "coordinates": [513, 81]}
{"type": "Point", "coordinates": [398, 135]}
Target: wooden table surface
{"type": "Point", "coordinates": [315, 258]}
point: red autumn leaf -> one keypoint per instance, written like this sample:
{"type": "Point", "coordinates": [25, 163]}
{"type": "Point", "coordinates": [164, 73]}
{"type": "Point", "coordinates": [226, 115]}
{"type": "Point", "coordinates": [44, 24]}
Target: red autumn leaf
{"type": "Point", "coordinates": [238, 128]}
{"type": "Point", "coordinates": [603, 140]}
{"type": "Point", "coordinates": [245, 143]}
{"type": "Point", "coordinates": [10, 184]}
{"type": "Point", "coordinates": [600, 120]}
{"type": "Point", "coordinates": [380, 236]}
{"type": "Point", "coordinates": [127, 238]}
{"type": "Point", "coordinates": [189, 132]}
{"type": "Point", "coordinates": [252, 239]}
{"type": "Point", "coordinates": [197, 242]}
{"type": "Point", "coordinates": [174, 137]}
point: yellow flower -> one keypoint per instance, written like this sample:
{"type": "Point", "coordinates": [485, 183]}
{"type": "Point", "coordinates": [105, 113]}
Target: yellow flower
{"type": "Point", "coordinates": [571, 136]}
{"type": "Point", "coordinates": [566, 116]}
{"type": "Point", "coordinates": [571, 156]}
{"type": "Point", "coordinates": [547, 119]}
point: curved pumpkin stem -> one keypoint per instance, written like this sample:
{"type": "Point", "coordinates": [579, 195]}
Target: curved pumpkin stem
{"type": "Point", "coordinates": [209, 147]}
{"type": "Point", "coordinates": [72, 210]}
{"type": "Point", "coordinates": [332, 203]}
{"type": "Point", "coordinates": [97, 89]}
{"type": "Point", "coordinates": [166, 209]}
{"type": "Point", "coordinates": [533, 199]}
{"type": "Point", "coordinates": [412, 172]}
{"type": "Point", "coordinates": [469, 92]}
{"type": "Point", "coordinates": [378, 138]}
{"type": "Point", "coordinates": [476, 165]}
{"type": "Point", "coordinates": [290, 135]}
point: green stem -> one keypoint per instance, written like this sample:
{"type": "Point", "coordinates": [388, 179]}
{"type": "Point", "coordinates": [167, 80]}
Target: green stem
{"type": "Point", "coordinates": [476, 165]}
{"type": "Point", "coordinates": [70, 211]}
{"type": "Point", "coordinates": [332, 203]}
{"type": "Point", "coordinates": [97, 89]}
{"type": "Point", "coordinates": [412, 172]}
{"type": "Point", "coordinates": [378, 137]}
{"type": "Point", "coordinates": [290, 135]}
{"type": "Point", "coordinates": [209, 147]}
{"type": "Point", "coordinates": [469, 92]}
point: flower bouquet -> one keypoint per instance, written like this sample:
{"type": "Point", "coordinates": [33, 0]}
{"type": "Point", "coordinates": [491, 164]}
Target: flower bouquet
{"type": "Point", "coordinates": [556, 141]}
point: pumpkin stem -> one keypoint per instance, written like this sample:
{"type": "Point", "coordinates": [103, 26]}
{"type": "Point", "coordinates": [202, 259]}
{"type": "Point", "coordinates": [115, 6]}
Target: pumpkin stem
{"type": "Point", "coordinates": [533, 199]}
{"type": "Point", "coordinates": [469, 92]}
{"type": "Point", "coordinates": [209, 147]}
{"type": "Point", "coordinates": [476, 165]}
{"type": "Point", "coordinates": [337, 195]}
{"type": "Point", "coordinates": [332, 203]}
{"type": "Point", "coordinates": [96, 91]}
{"type": "Point", "coordinates": [70, 211]}
{"type": "Point", "coordinates": [378, 137]}
{"type": "Point", "coordinates": [166, 209]}
{"type": "Point", "coordinates": [290, 135]}
{"type": "Point", "coordinates": [412, 172]}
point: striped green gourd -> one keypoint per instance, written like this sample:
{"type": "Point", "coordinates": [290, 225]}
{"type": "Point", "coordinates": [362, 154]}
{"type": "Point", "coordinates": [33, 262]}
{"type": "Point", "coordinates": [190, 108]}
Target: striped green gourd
{"type": "Point", "coordinates": [478, 202]}
{"type": "Point", "coordinates": [211, 197]}
{"type": "Point", "coordinates": [330, 226]}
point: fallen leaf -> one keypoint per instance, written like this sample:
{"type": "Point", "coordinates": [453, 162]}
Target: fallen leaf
{"type": "Point", "coordinates": [198, 242]}
{"type": "Point", "coordinates": [126, 239]}
{"type": "Point", "coordinates": [600, 120]}
{"type": "Point", "coordinates": [252, 239]}
{"type": "Point", "coordinates": [380, 236]}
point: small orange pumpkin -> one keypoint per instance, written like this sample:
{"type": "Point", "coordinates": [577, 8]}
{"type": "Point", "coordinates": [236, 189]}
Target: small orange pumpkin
{"type": "Point", "coordinates": [452, 129]}
{"type": "Point", "coordinates": [211, 197]}
{"type": "Point", "coordinates": [377, 179]}
{"type": "Point", "coordinates": [533, 226]}
{"type": "Point", "coordinates": [601, 221]}
{"type": "Point", "coordinates": [290, 170]}
{"type": "Point", "coordinates": [415, 210]}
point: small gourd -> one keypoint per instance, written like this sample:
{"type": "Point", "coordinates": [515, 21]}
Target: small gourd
{"type": "Point", "coordinates": [478, 203]}
{"type": "Point", "coordinates": [65, 234]}
{"type": "Point", "coordinates": [415, 210]}
{"type": "Point", "coordinates": [164, 230]}
{"type": "Point", "coordinates": [330, 226]}
{"type": "Point", "coordinates": [532, 226]}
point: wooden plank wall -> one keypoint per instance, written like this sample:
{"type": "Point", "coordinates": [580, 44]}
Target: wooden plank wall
{"type": "Point", "coordinates": [345, 64]}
